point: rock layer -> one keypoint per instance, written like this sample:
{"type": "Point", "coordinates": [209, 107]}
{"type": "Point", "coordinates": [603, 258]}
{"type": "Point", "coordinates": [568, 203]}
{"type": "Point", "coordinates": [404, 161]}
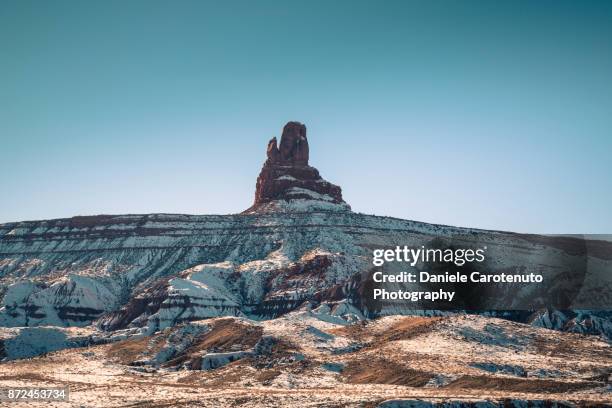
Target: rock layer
{"type": "Point", "coordinates": [286, 176]}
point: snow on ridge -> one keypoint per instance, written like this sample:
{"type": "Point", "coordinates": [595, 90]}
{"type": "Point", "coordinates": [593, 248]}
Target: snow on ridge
{"type": "Point", "coordinates": [302, 205]}
{"type": "Point", "coordinates": [72, 300]}
{"type": "Point", "coordinates": [286, 177]}
{"type": "Point", "coordinates": [312, 194]}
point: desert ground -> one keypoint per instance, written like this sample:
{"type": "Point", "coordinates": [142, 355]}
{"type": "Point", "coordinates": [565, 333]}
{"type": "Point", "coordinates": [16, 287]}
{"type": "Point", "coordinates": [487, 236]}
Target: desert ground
{"type": "Point", "coordinates": [308, 359]}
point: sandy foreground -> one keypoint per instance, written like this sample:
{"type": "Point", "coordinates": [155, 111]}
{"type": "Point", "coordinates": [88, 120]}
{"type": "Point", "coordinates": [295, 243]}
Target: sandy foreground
{"type": "Point", "coordinates": [317, 363]}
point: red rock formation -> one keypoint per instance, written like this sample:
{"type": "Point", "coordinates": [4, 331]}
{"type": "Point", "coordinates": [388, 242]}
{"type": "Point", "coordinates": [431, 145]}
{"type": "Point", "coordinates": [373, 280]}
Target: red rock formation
{"type": "Point", "coordinates": [286, 174]}
{"type": "Point", "coordinates": [294, 145]}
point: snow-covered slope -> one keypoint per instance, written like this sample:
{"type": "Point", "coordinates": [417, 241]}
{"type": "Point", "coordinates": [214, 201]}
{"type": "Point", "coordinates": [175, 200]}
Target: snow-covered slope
{"type": "Point", "coordinates": [160, 269]}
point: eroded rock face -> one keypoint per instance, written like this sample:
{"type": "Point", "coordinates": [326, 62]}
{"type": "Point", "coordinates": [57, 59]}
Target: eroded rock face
{"type": "Point", "coordinates": [294, 145]}
{"type": "Point", "coordinates": [286, 176]}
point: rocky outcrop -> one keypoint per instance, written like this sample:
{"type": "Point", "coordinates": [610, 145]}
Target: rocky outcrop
{"type": "Point", "coordinates": [293, 149]}
{"type": "Point", "coordinates": [72, 300]}
{"type": "Point", "coordinates": [598, 322]}
{"type": "Point", "coordinates": [159, 270]}
{"type": "Point", "coordinates": [287, 182]}
{"type": "Point", "coordinates": [26, 342]}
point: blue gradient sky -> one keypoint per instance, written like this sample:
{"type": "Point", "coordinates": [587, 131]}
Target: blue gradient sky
{"type": "Point", "coordinates": [482, 114]}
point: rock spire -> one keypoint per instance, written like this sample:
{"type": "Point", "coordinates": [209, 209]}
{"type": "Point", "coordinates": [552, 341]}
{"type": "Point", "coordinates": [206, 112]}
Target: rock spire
{"type": "Point", "coordinates": [287, 182]}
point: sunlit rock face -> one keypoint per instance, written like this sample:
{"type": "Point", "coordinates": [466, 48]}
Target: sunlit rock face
{"type": "Point", "coordinates": [288, 183]}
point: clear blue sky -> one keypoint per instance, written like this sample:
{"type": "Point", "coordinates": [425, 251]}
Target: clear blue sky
{"type": "Point", "coordinates": [483, 114]}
